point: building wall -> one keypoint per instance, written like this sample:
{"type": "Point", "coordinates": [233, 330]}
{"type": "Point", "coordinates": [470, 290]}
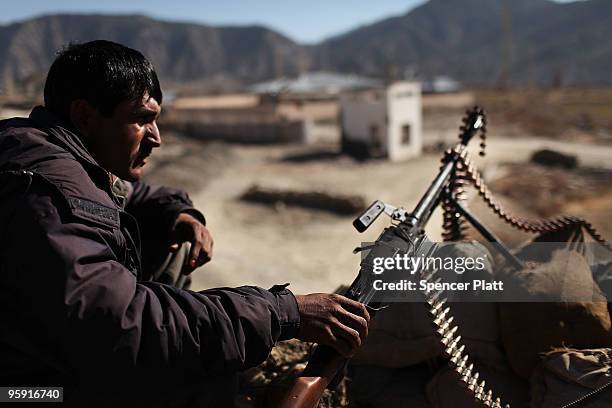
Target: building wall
{"type": "Point", "coordinates": [320, 118]}
{"type": "Point", "coordinates": [229, 115]}
{"type": "Point", "coordinates": [404, 110]}
{"type": "Point", "coordinates": [259, 124]}
{"type": "Point", "coordinates": [225, 101]}
{"type": "Point", "coordinates": [246, 133]}
{"type": "Point", "coordinates": [308, 110]}
{"type": "Point", "coordinates": [360, 111]}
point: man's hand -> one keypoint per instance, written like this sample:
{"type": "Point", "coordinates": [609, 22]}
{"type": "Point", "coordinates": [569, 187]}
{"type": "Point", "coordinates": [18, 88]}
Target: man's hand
{"type": "Point", "coordinates": [333, 320]}
{"type": "Point", "coordinates": [188, 228]}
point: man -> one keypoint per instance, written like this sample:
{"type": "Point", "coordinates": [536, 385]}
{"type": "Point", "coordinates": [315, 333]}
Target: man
{"type": "Point", "coordinates": [78, 305]}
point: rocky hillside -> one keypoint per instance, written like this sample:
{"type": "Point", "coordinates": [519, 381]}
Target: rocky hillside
{"type": "Point", "coordinates": [479, 42]}
{"type": "Point", "coordinates": [484, 42]}
{"type": "Point", "coordinates": [180, 52]}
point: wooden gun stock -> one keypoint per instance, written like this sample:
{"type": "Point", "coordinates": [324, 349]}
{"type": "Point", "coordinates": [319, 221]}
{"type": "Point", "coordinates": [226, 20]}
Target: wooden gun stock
{"type": "Point", "coordinates": [307, 389]}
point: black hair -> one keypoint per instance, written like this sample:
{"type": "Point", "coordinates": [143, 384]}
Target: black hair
{"type": "Point", "coordinates": [101, 72]}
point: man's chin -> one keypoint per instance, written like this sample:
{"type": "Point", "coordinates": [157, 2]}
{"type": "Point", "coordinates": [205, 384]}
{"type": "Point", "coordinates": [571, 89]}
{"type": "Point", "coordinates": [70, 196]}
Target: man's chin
{"type": "Point", "coordinates": [133, 174]}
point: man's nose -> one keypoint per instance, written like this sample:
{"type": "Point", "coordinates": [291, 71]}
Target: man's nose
{"type": "Point", "coordinates": [153, 136]}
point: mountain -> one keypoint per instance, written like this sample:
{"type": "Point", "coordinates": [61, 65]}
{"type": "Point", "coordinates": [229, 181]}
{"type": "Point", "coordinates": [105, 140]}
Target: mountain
{"type": "Point", "coordinates": [483, 42]}
{"type": "Point", "coordinates": [478, 42]}
{"type": "Point", "coordinates": [180, 52]}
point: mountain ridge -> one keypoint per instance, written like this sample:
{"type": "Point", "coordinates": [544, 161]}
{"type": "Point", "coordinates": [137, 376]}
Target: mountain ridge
{"type": "Point", "coordinates": [478, 42]}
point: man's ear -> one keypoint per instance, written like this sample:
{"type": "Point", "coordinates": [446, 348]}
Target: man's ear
{"type": "Point", "coordinates": [82, 116]}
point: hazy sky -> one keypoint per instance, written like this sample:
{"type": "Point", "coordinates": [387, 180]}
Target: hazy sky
{"type": "Point", "coordinates": [303, 21]}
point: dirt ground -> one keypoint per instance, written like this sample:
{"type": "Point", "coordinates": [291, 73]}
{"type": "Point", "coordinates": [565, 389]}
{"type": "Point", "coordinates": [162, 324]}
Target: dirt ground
{"type": "Point", "coordinates": [312, 250]}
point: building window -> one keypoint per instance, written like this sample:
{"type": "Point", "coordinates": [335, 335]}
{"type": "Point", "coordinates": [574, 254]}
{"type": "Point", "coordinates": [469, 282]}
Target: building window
{"type": "Point", "coordinates": [405, 134]}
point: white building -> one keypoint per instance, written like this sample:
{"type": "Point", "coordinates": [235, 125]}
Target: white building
{"type": "Point", "coordinates": [383, 122]}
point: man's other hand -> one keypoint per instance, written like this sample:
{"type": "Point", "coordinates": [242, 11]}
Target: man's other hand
{"type": "Point", "coordinates": [333, 320]}
{"type": "Point", "coordinates": [188, 228]}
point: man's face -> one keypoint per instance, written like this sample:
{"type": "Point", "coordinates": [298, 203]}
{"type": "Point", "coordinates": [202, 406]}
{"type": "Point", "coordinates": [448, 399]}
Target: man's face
{"type": "Point", "coordinates": [121, 143]}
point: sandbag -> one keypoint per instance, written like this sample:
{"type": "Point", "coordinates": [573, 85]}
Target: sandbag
{"type": "Point", "coordinates": [568, 375]}
{"type": "Point", "coordinates": [376, 387]}
{"type": "Point", "coordinates": [528, 329]}
{"type": "Point", "coordinates": [399, 336]}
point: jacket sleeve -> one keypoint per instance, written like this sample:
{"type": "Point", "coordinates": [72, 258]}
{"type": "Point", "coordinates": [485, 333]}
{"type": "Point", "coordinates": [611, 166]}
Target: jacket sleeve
{"type": "Point", "coordinates": [158, 205]}
{"type": "Point", "coordinates": [104, 323]}
{"type": "Point", "coordinates": [156, 209]}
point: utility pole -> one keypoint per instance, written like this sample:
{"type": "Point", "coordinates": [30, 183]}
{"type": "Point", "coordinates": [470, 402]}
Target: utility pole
{"type": "Point", "coordinates": [279, 68]}
{"type": "Point", "coordinates": [505, 77]}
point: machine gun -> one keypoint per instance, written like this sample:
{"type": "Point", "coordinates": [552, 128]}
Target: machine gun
{"type": "Point", "coordinates": [406, 236]}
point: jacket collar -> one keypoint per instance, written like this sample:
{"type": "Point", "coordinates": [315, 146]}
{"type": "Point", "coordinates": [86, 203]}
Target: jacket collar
{"type": "Point", "coordinates": [62, 133]}
{"type": "Point", "coordinates": [64, 136]}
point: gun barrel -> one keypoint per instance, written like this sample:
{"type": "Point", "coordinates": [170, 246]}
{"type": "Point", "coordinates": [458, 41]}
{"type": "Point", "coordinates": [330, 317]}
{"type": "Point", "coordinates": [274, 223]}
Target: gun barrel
{"type": "Point", "coordinates": [421, 213]}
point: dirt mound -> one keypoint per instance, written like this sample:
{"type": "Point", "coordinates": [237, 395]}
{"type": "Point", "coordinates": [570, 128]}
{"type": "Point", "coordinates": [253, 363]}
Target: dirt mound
{"type": "Point", "coordinates": [551, 158]}
{"type": "Point", "coordinates": [319, 200]}
{"type": "Point", "coordinates": [548, 191]}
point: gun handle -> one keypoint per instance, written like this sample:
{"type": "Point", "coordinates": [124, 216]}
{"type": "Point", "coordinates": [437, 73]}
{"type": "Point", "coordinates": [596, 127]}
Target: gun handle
{"type": "Point", "coordinates": [305, 392]}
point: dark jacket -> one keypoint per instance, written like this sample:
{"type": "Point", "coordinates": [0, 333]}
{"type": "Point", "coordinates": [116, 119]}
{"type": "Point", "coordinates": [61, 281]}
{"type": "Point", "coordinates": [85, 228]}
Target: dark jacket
{"type": "Point", "coordinates": [73, 307]}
